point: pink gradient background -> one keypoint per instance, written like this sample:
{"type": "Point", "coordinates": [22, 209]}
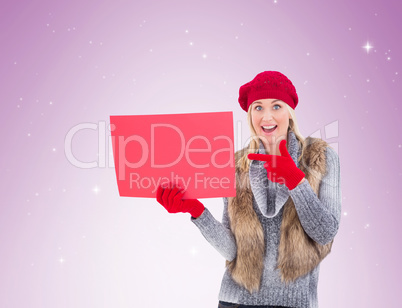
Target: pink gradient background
{"type": "Point", "coordinates": [68, 239]}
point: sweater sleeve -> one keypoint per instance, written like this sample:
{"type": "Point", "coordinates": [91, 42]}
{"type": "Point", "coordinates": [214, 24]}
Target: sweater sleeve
{"type": "Point", "coordinates": [320, 216]}
{"type": "Point", "coordinates": [217, 234]}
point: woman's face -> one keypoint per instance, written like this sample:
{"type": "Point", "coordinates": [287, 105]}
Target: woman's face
{"type": "Point", "coordinates": [270, 112]}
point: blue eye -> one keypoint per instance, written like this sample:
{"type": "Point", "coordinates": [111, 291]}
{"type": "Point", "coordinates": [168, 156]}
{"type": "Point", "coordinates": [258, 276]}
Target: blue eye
{"type": "Point", "coordinates": [259, 108]}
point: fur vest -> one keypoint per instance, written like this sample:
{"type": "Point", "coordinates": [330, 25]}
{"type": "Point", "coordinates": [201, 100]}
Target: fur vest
{"type": "Point", "coordinates": [298, 254]}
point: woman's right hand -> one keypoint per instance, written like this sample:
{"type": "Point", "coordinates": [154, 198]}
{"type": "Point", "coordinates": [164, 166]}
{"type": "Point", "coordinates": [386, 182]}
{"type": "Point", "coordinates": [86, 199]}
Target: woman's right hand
{"type": "Point", "coordinates": [171, 199]}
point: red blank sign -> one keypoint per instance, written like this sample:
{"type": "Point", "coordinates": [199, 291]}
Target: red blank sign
{"type": "Point", "coordinates": [194, 150]}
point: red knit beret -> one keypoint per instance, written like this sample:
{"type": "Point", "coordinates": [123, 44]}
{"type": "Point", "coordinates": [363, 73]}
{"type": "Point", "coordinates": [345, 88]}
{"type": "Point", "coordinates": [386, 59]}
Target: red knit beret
{"type": "Point", "coordinates": [268, 84]}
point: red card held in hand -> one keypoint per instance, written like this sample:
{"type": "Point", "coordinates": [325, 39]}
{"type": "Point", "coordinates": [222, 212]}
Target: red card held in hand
{"type": "Point", "coordinates": [193, 150]}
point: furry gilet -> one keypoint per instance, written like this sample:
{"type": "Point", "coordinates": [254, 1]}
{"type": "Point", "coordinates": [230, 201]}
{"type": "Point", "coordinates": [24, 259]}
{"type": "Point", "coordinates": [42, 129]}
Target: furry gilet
{"type": "Point", "coordinates": [298, 254]}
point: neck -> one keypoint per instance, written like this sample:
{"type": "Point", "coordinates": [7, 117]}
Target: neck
{"type": "Point", "coordinates": [273, 149]}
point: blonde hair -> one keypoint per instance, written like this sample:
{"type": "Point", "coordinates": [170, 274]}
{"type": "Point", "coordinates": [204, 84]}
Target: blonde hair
{"type": "Point", "coordinates": [253, 146]}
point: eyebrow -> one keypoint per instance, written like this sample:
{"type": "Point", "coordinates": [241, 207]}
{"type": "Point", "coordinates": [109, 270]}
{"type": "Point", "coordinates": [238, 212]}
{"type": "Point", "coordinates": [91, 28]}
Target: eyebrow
{"type": "Point", "coordinates": [271, 102]}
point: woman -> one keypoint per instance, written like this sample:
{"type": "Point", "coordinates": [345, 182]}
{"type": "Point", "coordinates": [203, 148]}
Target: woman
{"type": "Point", "coordinates": [287, 208]}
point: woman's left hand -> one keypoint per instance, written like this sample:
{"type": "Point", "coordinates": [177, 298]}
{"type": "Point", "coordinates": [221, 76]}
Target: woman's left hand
{"type": "Point", "coordinates": [281, 169]}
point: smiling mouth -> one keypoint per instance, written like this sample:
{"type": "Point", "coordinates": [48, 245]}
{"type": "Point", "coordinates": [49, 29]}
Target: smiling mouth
{"type": "Point", "coordinates": [269, 130]}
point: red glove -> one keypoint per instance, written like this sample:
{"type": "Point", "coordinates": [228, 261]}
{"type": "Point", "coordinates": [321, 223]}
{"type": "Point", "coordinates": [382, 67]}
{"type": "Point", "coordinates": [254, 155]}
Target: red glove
{"type": "Point", "coordinates": [171, 199]}
{"type": "Point", "coordinates": [281, 169]}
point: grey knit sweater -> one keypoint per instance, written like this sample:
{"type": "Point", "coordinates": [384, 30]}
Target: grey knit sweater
{"type": "Point", "coordinates": [319, 217]}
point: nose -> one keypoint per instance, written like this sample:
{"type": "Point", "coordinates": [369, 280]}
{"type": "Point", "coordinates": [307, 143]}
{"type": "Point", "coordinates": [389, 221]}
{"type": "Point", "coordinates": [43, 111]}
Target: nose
{"type": "Point", "coordinates": [267, 116]}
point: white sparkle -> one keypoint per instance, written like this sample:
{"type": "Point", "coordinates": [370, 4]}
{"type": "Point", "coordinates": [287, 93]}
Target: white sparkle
{"type": "Point", "coordinates": [54, 149]}
{"type": "Point", "coordinates": [368, 80]}
{"type": "Point", "coordinates": [50, 103]}
{"type": "Point", "coordinates": [191, 43]}
{"type": "Point", "coordinates": [400, 146]}
{"type": "Point", "coordinates": [150, 50]}
{"type": "Point", "coordinates": [194, 251]}
{"type": "Point", "coordinates": [389, 58]}
{"type": "Point", "coordinates": [36, 194]}
{"type": "Point", "coordinates": [18, 106]}
{"type": "Point", "coordinates": [96, 190]}
{"type": "Point", "coordinates": [90, 42]}
{"type": "Point", "coordinates": [345, 214]}
{"type": "Point", "coordinates": [308, 53]}
{"type": "Point", "coordinates": [186, 31]}
{"type": "Point", "coordinates": [61, 260]}
{"type": "Point", "coordinates": [204, 56]}
{"type": "Point", "coordinates": [350, 29]}
{"type": "Point", "coordinates": [236, 37]}
{"type": "Point", "coordinates": [366, 226]}
{"type": "Point", "coordinates": [29, 134]}
{"type": "Point", "coordinates": [368, 47]}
